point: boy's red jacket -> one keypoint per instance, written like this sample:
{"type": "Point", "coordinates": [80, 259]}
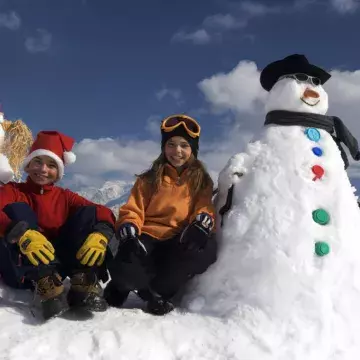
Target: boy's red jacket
{"type": "Point", "coordinates": [52, 205]}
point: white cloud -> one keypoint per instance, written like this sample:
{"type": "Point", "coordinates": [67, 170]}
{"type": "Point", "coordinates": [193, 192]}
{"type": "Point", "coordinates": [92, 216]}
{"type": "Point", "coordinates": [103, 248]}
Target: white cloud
{"type": "Point", "coordinates": [239, 90]}
{"type": "Point", "coordinates": [176, 94]}
{"type": "Point", "coordinates": [345, 6]}
{"type": "Point", "coordinates": [198, 112]}
{"type": "Point", "coordinates": [344, 87]}
{"type": "Point", "coordinates": [213, 26]}
{"type": "Point", "coordinates": [354, 169]}
{"type": "Point", "coordinates": [344, 98]}
{"type": "Point", "coordinates": [153, 125]}
{"type": "Point", "coordinates": [258, 9]}
{"type": "Point", "coordinates": [41, 42]}
{"type": "Point", "coordinates": [98, 157]}
{"type": "Point", "coordinates": [10, 20]}
{"type": "Point", "coordinates": [78, 181]}
{"type": "Point", "coordinates": [222, 21]}
{"type": "Point", "coordinates": [198, 37]}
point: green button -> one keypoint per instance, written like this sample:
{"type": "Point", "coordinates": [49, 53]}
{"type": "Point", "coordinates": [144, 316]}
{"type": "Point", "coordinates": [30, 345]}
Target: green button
{"type": "Point", "coordinates": [321, 216]}
{"type": "Point", "coordinates": [322, 248]}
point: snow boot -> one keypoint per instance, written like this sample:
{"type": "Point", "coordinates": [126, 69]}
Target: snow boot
{"type": "Point", "coordinates": [86, 292]}
{"type": "Point", "coordinates": [50, 289]}
{"type": "Point", "coordinates": [156, 304]}
{"type": "Point", "coordinates": [114, 296]}
{"type": "Point", "coordinates": [159, 306]}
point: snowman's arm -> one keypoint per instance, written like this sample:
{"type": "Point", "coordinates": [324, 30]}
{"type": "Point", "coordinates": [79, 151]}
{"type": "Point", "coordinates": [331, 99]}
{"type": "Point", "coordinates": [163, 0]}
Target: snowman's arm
{"type": "Point", "coordinates": [235, 169]}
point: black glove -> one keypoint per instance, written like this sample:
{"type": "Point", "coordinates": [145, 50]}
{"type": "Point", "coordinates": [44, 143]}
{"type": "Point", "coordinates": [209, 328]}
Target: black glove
{"type": "Point", "coordinates": [196, 235]}
{"type": "Point", "coordinates": [205, 222]}
{"type": "Point", "coordinates": [129, 233]}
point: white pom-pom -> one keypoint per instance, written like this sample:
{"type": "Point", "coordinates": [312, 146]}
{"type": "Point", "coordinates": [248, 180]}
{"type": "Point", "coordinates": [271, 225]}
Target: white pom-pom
{"type": "Point", "coordinates": [2, 135]}
{"type": "Point", "coordinates": [69, 157]}
{"type": "Point", "coordinates": [6, 173]}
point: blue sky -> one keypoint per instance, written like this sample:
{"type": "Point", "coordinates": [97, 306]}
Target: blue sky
{"type": "Point", "coordinates": [111, 69]}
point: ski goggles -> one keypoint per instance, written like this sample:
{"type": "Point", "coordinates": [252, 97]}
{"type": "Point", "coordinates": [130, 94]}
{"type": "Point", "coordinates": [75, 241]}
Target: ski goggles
{"type": "Point", "coordinates": [174, 121]}
{"type": "Point", "coordinates": [299, 77]}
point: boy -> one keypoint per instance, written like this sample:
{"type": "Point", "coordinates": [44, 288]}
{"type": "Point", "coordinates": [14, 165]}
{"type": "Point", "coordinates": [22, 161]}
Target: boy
{"type": "Point", "coordinates": [48, 233]}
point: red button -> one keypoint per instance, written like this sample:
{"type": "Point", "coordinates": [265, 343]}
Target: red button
{"type": "Point", "coordinates": [318, 172]}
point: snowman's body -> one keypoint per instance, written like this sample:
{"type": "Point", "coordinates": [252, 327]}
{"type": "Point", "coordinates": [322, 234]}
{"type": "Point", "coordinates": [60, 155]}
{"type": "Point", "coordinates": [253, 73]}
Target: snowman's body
{"type": "Point", "coordinates": [268, 277]}
{"type": "Point", "coordinates": [6, 172]}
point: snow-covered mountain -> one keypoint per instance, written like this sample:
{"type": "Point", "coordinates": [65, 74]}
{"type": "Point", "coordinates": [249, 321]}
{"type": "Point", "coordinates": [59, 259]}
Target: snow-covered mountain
{"type": "Point", "coordinates": [112, 193]}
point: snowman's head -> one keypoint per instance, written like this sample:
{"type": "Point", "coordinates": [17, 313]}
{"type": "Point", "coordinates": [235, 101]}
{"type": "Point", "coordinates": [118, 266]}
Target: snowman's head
{"type": "Point", "coordinates": [298, 92]}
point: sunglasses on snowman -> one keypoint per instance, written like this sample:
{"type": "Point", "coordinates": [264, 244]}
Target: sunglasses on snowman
{"type": "Point", "coordinates": [174, 121]}
{"type": "Point", "coordinates": [303, 78]}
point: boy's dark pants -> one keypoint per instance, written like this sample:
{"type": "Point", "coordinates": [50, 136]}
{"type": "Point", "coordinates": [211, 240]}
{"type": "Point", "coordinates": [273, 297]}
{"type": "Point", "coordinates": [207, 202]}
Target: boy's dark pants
{"type": "Point", "coordinates": [15, 269]}
{"type": "Point", "coordinates": [166, 268]}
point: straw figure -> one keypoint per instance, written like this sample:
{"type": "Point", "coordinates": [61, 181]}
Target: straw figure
{"type": "Point", "coordinates": [15, 141]}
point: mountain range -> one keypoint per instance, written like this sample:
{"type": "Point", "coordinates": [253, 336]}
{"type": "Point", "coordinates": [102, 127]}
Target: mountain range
{"type": "Point", "coordinates": [111, 194]}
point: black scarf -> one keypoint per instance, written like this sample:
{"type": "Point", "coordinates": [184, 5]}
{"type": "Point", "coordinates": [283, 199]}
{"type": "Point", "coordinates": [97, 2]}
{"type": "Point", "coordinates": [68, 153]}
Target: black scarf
{"type": "Point", "coordinates": [332, 124]}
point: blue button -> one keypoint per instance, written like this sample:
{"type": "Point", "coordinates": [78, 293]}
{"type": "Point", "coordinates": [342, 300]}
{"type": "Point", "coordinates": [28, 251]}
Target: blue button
{"type": "Point", "coordinates": [317, 151]}
{"type": "Point", "coordinates": [313, 134]}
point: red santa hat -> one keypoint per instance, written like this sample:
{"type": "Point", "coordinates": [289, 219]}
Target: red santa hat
{"type": "Point", "coordinates": [55, 145]}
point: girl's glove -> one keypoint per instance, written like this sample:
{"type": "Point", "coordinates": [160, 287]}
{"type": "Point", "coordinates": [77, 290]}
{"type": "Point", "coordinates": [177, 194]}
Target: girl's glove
{"type": "Point", "coordinates": [204, 222]}
{"type": "Point", "coordinates": [196, 235]}
{"type": "Point", "coordinates": [128, 232]}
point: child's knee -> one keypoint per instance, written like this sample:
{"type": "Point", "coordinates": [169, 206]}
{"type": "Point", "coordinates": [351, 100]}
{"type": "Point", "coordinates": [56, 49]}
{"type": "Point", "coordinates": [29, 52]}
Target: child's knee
{"type": "Point", "coordinates": [20, 211]}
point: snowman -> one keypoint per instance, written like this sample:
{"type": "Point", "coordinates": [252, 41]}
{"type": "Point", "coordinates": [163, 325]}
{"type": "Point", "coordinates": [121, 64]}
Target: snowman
{"type": "Point", "coordinates": [6, 172]}
{"type": "Point", "coordinates": [288, 227]}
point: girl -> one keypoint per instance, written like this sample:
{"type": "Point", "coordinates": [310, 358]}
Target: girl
{"type": "Point", "coordinates": [49, 232]}
{"type": "Point", "coordinates": [166, 225]}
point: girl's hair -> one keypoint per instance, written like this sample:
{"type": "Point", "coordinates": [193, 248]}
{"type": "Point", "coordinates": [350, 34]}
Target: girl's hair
{"type": "Point", "coordinates": [197, 175]}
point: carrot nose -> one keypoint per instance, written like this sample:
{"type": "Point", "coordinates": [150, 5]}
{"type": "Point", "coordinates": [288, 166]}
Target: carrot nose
{"type": "Point", "coordinates": [308, 93]}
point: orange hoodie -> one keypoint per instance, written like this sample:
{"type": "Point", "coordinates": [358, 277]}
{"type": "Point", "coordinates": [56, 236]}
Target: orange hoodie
{"type": "Point", "coordinates": [167, 212]}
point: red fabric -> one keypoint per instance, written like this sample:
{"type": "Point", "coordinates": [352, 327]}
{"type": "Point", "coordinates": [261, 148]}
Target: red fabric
{"type": "Point", "coordinates": [53, 141]}
{"type": "Point", "coordinates": [52, 207]}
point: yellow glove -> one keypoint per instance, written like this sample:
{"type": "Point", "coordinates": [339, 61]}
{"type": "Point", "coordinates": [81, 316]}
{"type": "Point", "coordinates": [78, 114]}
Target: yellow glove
{"type": "Point", "coordinates": [92, 250]}
{"type": "Point", "coordinates": [36, 247]}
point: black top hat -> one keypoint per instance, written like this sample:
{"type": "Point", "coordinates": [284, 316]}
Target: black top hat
{"type": "Point", "coordinates": [290, 65]}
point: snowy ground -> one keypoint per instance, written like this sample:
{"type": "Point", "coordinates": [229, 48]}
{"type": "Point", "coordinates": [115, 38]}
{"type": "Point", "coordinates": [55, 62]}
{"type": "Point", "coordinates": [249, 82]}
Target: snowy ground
{"type": "Point", "coordinates": [125, 334]}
